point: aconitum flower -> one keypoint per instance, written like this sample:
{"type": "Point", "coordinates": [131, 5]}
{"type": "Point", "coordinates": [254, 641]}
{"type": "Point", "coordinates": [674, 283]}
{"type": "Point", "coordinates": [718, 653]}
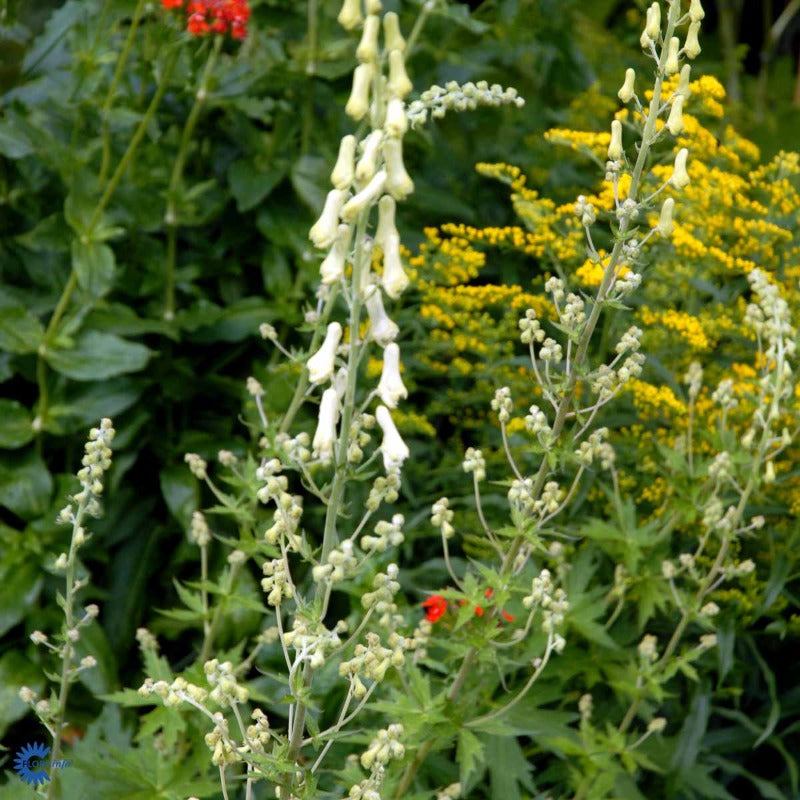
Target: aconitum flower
{"type": "Point", "coordinates": [680, 176]}
{"type": "Point", "coordinates": [394, 449]}
{"type": "Point", "coordinates": [391, 387]}
{"type": "Point", "coordinates": [381, 328]}
{"type": "Point", "coordinates": [394, 279]}
{"type": "Point", "coordinates": [332, 268]}
{"type": "Point", "coordinates": [325, 436]}
{"type": "Point", "coordinates": [325, 230]}
{"type": "Point", "coordinates": [320, 365]}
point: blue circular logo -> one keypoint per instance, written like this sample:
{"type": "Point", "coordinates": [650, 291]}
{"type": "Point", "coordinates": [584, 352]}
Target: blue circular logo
{"type": "Point", "coordinates": [27, 764]}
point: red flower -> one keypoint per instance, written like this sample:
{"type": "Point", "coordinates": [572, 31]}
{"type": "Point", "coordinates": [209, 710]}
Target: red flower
{"type": "Point", "coordinates": [435, 606]}
{"type": "Point", "coordinates": [216, 16]}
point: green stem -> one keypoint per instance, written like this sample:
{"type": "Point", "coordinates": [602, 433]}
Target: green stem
{"type": "Point", "coordinates": [72, 281]}
{"type": "Point", "coordinates": [329, 536]}
{"type": "Point", "coordinates": [311, 71]}
{"type": "Point", "coordinates": [112, 89]}
{"type": "Point", "coordinates": [171, 216]}
{"type": "Point", "coordinates": [591, 323]}
{"type": "Point", "coordinates": [68, 651]}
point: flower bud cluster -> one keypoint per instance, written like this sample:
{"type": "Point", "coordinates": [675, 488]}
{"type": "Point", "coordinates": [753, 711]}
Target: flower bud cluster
{"type": "Point", "coordinates": [197, 466]}
{"type": "Point", "coordinates": [595, 447]}
{"type": "Point", "coordinates": [312, 643]}
{"type": "Point", "coordinates": [585, 211]}
{"type": "Point", "coordinates": [386, 587]}
{"type": "Point", "coordinates": [454, 97]}
{"type": "Point", "coordinates": [451, 792]}
{"type": "Point", "coordinates": [531, 328]}
{"type": "Point", "coordinates": [218, 741]}
{"type": "Point", "coordinates": [384, 747]}
{"type": "Point", "coordinates": [574, 313]}
{"type": "Point", "coordinates": [502, 404]}
{"type": "Point", "coordinates": [693, 378]}
{"type": "Point", "coordinates": [341, 564]}
{"type": "Point", "coordinates": [372, 661]}
{"type": "Point", "coordinates": [536, 423]}
{"type": "Point", "coordinates": [550, 352]}
{"type": "Point", "coordinates": [721, 467]}
{"type": "Point", "coordinates": [552, 602]}
{"type": "Point", "coordinates": [95, 462]}
{"type": "Point", "coordinates": [648, 649]}
{"type": "Point", "coordinates": [475, 462]}
{"type": "Point", "coordinates": [199, 532]}
{"type": "Point", "coordinates": [384, 489]}
{"type": "Point", "coordinates": [442, 517]}
{"type": "Point", "coordinates": [387, 534]}
{"type": "Point", "coordinates": [175, 693]}
{"type": "Point", "coordinates": [225, 689]}
{"type": "Point", "coordinates": [770, 317]}
{"type": "Point", "coordinates": [278, 582]}
{"type": "Point", "coordinates": [723, 395]}
{"type": "Point", "coordinates": [258, 734]}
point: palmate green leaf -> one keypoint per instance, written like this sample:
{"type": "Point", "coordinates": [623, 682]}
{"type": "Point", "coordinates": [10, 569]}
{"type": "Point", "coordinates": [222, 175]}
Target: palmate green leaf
{"type": "Point", "coordinates": [15, 424]}
{"type": "Point", "coordinates": [470, 755]}
{"type": "Point", "coordinates": [20, 331]}
{"type": "Point", "coordinates": [250, 185]}
{"type": "Point", "coordinates": [94, 266]}
{"type": "Point", "coordinates": [508, 768]}
{"type": "Point", "coordinates": [97, 356]}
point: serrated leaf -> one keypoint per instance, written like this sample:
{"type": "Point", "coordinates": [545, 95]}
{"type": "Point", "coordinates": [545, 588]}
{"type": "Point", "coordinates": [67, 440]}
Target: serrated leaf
{"type": "Point", "coordinates": [469, 754]}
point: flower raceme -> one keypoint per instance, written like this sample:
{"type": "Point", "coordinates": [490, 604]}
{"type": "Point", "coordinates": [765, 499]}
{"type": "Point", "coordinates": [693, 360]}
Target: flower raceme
{"type": "Point", "coordinates": [214, 16]}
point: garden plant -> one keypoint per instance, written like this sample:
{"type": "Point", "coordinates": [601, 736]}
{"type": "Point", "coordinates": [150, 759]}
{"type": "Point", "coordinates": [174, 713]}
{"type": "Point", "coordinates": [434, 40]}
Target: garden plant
{"type": "Point", "coordinates": [504, 507]}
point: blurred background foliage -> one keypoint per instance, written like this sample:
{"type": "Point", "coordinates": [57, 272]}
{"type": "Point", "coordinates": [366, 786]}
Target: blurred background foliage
{"type": "Point", "coordinates": [92, 324]}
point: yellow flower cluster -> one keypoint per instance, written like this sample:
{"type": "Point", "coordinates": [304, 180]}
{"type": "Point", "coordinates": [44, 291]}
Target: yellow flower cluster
{"type": "Point", "coordinates": [688, 327]}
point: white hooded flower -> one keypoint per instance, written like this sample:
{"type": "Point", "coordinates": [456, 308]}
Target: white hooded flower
{"type": "Point", "coordinates": [391, 388]}
{"type": "Point", "coordinates": [358, 103]}
{"type": "Point", "coordinates": [342, 175]}
{"type": "Point", "coordinates": [386, 223]}
{"type": "Point", "coordinates": [368, 163]}
{"type": "Point", "coordinates": [399, 84]}
{"type": "Point", "coordinates": [394, 279]}
{"type": "Point", "coordinates": [396, 120]}
{"type": "Point", "coordinates": [368, 46]}
{"type": "Point", "coordinates": [325, 229]}
{"type": "Point", "coordinates": [332, 268]}
{"type": "Point", "coordinates": [320, 365]}
{"type": "Point", "coordinates": [366, 197]}
{"type": "Point", "coordinates": [393, 448]}
{"type": "Point", "coordinates": [680, 175]}
{"type": "Point", "coordinates": [398, 181]}
{"type": "Point", "coordinates": [381, 328]}
{"type": "Point", "coordinates": [325, 436]}
{"type": "Point", "coordinates": [350, 16]}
